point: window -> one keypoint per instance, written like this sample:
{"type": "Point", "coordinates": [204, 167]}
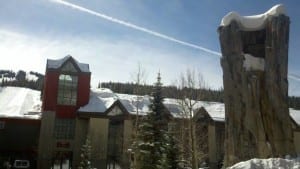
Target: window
{"type": "Point", "coordinates": [2, 124]}
{"type": "Point", "coordinates": [67, 89]}
{"type": "Point", "coordinates": [115, 111]}
{"type": "Point", "coordinates": [64, 128]}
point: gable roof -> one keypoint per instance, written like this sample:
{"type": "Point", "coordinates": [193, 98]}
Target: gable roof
{"type": "Point", "coordinates": [57, 64]}
{"type": "Point", "coordinates": [118, 104]}
{"type": "Point", "coordinates": [216, 111]}
{"type": "Point", "coordinates": [100, 100]}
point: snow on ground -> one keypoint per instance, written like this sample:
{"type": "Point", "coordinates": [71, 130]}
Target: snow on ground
{"type": "Point", "coordinates": [254, 22]}
{"type": "Point", "coordinates": [271, 163]}
{"type": "Point", "coordinates": [19, 102]}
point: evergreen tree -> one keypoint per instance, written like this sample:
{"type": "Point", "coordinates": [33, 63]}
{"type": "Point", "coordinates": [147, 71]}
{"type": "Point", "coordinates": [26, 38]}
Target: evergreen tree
{"type": "Point", "coordinates": [152, 138]}
{"type": "Point", "coordinates": [172, 151]}
{"type": "Point", "coordinates": [85, 155]}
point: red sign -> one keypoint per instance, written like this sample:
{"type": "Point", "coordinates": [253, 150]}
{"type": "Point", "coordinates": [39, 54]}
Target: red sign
{"type": "Point", "coordinates": [62, 144]}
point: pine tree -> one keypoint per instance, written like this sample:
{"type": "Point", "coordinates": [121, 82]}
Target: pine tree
{"type": "Point", "coordinates": [172, 151]}
{"type": "Point", "coordinates": [85, 155]}
{"type": "Point", "coordinates": [152, 138]}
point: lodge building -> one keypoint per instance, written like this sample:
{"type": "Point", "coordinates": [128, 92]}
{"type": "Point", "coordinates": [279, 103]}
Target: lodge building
{"type": "Point", "coordinates": [70, 112]}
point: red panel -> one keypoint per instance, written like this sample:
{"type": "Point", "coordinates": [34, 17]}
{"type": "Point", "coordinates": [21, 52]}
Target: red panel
{"type": "Point", "coordinates": [50, 91]}
{"type": "Point", "coordinates": [64, 111]}
{"type": "Point", "coordinates": [83, 89]}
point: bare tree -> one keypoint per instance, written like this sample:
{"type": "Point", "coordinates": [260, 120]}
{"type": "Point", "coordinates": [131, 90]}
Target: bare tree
{"type": "Point", "coordinates": [189, 93]}
{"type": "Point", "coordinates": [139, 78]}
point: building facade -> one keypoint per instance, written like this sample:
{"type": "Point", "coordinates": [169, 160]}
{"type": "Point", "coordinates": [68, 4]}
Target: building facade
{"type": "Point", "coordinates": [67, 121]}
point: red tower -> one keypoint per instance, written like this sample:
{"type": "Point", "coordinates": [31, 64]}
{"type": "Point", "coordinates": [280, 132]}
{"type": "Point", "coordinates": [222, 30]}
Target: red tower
{"type": "Point", "coordinates": [66, 86]}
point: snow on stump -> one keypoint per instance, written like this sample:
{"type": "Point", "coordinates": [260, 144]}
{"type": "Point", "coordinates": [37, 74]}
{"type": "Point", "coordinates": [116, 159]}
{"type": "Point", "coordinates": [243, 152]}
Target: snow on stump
{"type": "Point", "coordinates": [254, 62]}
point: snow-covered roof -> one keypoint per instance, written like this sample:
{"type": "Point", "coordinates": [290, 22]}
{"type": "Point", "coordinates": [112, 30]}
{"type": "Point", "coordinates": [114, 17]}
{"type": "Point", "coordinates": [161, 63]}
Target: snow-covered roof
{"type": "Point", "coordinates": [173, 105]}
{"type": "Point", "coordinates": [132, 103]}
{"type": "Point", "coordinates": [100, 100]}
{"type": "Point", "coordinates": [216, 111]}
{"type": "Point", "coordinates": [55, 64]}
{"type": "Point", "coordinates": [254, 22]}
{"type": "Point", "coordinates": [18, 102]}
{"type": "Point", "coordinates": [295, 114]}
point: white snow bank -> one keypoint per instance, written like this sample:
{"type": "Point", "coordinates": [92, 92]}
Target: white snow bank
{"type": "Point", "coordinates": [254, 22]}
{"type": "Point", "coordinates": [253, 63]}
{"type": "Point", "coordinates": [270, 163]}
{"type": "Point", "coordinates": [20, 102]}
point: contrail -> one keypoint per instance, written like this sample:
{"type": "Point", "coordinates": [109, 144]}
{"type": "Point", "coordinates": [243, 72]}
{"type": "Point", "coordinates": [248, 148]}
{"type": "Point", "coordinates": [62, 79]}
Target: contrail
{"type": "Point", "coordinates": [148, 31]}
{"type": "Point", "coordinates": [136, 27]}
{"type": "Point", "coordinates": [294, 77]}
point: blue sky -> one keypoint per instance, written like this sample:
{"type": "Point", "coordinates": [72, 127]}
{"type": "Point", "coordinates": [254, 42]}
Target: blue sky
{"type": "Point", "coordinates": [32, 31]}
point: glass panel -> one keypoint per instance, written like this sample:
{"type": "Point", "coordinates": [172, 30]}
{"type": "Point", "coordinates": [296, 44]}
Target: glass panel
{"type": "Point", "coordinates": [67, 89]}
{"type": "Point", "coordinates": [64, 128]}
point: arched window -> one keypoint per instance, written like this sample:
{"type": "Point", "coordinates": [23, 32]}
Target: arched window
{"type": "Point", "coordinates": [67, 89]}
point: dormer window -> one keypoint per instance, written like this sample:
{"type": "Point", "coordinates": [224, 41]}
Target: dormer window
{"type": "Point", "coordinates": [67, 89]}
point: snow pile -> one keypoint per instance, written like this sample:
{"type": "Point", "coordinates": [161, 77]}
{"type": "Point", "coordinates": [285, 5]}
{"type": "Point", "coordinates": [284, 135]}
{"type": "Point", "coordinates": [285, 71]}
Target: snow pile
{"type": "Point", "coordinates": [271, 163]}
{"type": "Point", "coordinates": [19, 102]}
{"type": "Point", "coordinates": [253, 63]}
{"type": "Point", "coordinates": [254, 22]}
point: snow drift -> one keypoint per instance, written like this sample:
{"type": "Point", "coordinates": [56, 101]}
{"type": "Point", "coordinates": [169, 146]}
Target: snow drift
{"type": "Point", "coordinates": [271, 163]}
